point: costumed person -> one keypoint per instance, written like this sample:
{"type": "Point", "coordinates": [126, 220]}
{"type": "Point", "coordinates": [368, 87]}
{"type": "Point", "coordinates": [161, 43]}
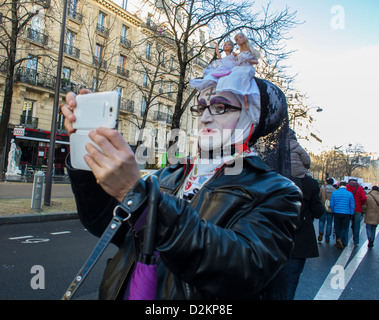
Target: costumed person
{"type": "Point", "coordinates": [226, 219]}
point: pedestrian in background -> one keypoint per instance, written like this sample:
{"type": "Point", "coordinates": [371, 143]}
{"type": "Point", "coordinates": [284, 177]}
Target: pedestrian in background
{"type": "Point", "coordinates": [300, 159]}
{"type": "Point", "coordinates": [284, 285]}
{"type": "Point", "coordinates": [359, 199]}
{"type": "Point", "coordinates": [327, 217]}
{"type": "Point", "coordinates": [342, 205]}
{"type": "Point", "coordinates": [372, 215]}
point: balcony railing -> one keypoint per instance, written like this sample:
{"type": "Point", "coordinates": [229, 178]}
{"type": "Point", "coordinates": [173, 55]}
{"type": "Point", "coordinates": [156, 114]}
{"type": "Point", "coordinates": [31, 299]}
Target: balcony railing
{"type": "Point", "coordinates": [102, 30]}
{"type": "Point", "coordinates": [29, 122]}
{"type": "Point", "coordinates": [162, 116]}
{"type": "Point", "coordinates": [44, 3]}
{"type": "Point", "coordinates": [99, 62]}
{"type": "Point", "coordinates": [37, 36]}
{"type": "Point", "coordinates": [127, 105]}
{"type": "Point", "coordinates": [75, 15]}
{"type": "Point", "coordinates": [125, 42]}
{"type": "Point", "coordinates": [44, 80]}
{"type": "Point", "coordinates": [123, 72]}
{"type": "Point", "coordinates": [72, 51]}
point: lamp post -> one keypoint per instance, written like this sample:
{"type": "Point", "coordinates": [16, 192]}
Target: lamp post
{"type": "Point", "coordinates": [53, 132]}
{"type": "Point", "coordinates": [303, 113]}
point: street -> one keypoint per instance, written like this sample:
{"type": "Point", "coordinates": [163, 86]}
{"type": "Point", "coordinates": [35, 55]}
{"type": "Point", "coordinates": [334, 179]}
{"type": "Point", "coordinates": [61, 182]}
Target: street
{"type": "Point", "coordinates": [61, 247]}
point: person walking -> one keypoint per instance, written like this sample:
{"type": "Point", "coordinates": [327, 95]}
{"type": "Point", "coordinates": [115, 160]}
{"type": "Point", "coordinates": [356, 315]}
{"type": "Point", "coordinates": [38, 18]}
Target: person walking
{"type": "Point", "coordinates": [300, 159]}
{"type": "Point", "coordinates": [284, 285]}
{"type": "Point", "coordinates": [359, 199]}
{"type": "Point", "coordinates": [327, 217]}
{"type": "Point", "coordinates": [342, 205]}
{"type": "Point", "coordinates": [372, 215]}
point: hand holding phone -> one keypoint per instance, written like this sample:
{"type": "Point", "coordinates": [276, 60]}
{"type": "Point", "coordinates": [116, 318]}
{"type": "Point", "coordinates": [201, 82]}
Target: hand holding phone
{"type": "Point", "coordinates": [92, 111]}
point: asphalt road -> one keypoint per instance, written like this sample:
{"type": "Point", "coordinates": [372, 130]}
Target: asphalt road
{"type": "Point", "coordinates": [61, 247]}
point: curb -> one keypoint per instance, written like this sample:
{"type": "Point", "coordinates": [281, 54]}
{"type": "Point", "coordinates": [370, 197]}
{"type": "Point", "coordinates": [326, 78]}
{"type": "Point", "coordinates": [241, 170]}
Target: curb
{"type": "Point", "coordinates": [38, 217]}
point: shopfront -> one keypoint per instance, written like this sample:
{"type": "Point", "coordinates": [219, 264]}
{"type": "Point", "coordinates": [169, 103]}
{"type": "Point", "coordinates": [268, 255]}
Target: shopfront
{"type": "Point", "coordinates": [33, 145]}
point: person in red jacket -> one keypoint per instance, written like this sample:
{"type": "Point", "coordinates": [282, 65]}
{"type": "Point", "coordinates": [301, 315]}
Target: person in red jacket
{"type": "Point", "coordinates": [359, 199]}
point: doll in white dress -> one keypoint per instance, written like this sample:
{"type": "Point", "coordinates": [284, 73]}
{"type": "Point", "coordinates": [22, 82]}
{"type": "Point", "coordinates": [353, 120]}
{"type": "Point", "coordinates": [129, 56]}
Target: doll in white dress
{"type": "Point", "coordinates": [244, 71]}
{"type": "Point", "coordinates": [218, 68]}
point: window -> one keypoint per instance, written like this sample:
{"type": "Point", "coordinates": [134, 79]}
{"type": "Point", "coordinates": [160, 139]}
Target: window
{"type": "Point", "coordinates": [27, 112]}
{"type": "Point", "coordinates": [124, 31]}
{"type": "Point", "coordinates": [143, 106]}
{"type": "Point", "coordinates": [98, 51]}
{"type": "Point", "coordinates": [145, 80]}
{"type": "Point", "coordinates": [73, 5]}
{"type": "Point", "coordinates": [70, 38]}
{"type": "Point", "coordinates": [101, 19]}
{"type": "Point", "coordinates": [122, 62]}
{"type": "Point", "coordinates": [66, 73]}
{"type": "Point", "coordinates": [162, 59]}
{"type": "Point", "coordinates": [148, 49]}
{"type": "Point", "coordinates": [32, 63]}
{"type": "Point", "coordinates": [124, 4]}
{"type": "Point", "coordinates": [119, 90]}
{"type": "Point", "coordinates": [94, 84]}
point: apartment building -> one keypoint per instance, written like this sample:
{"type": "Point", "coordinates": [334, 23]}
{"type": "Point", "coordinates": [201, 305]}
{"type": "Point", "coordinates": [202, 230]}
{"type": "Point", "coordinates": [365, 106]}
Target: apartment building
{"type": "Point", "coordinates": [108, 45]}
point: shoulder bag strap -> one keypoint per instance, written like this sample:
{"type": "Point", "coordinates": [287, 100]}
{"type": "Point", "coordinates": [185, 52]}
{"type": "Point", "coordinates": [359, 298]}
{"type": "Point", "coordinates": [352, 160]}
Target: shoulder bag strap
{"type": "Point", "coordinates": [102, 244]}
{"type": "Point", "coordinates": [374, 199]}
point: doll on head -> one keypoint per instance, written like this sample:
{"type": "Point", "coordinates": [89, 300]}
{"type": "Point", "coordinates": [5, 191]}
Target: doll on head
{"type": "Point", "coordinates": [223, 65]}
{"type": "Point", "coordinates": [244, 71]}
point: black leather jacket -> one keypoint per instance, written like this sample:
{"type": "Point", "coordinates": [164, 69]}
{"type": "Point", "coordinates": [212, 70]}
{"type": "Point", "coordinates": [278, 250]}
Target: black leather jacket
{"type": "Point", "coordinates": [227, 243]}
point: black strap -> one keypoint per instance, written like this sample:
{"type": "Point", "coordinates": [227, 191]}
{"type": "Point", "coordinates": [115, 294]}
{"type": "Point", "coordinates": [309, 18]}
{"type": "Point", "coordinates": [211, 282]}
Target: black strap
{"type": "Point", "coordinates": [102, 244]}
{"type": "Point", "coordinates": [374, 199]}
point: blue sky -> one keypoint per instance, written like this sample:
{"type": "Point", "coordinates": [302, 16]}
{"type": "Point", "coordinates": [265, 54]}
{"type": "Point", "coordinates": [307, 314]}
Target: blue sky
{"type": "Point", "coordinates": [338, 67]}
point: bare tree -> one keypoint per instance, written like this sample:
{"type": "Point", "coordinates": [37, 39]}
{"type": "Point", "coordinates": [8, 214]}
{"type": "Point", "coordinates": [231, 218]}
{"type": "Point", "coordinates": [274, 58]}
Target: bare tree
{"type": "Point", "coordinates": [181, 23]}
{"type": "Point", "coordinates": [15, 18]}
{"type": "Point", "coordinates": [340, 162]}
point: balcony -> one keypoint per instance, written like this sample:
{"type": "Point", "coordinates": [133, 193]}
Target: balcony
{"type": "Point", "coordinates": [125, 42]}
{"type": "Point", "coordinates": [127, 105]}
{"type": "Point", "coordinates": [162, 116]}
{"type": "Point", "coordinates": [37, 36]}
{"type": "Point", "coordinates": [30, 76]}
{"type": "Point", "coordinates": [123, 72]}
{"type": "Point", "coordinates": [44, 80]}
{"type": "Point", "coordinates": [73, 14]}
{"type": "Point", "coordinates": [72, 51]}
{"type": "Point", "coordinates": [44, 3]}
{"type": "Point", "coordinates": [99, 62]}
{"type": "Point", "coordinates": [102, 30]}
{"type": "Point", "coordinates": [29, 122]}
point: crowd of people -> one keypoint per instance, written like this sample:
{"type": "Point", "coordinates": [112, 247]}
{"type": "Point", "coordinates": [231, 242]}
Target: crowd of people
{"type": "Point", "coordinates": [348, 203]}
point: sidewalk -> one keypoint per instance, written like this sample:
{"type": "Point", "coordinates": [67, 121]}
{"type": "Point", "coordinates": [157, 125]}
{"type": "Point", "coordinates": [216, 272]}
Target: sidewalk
{"type": "Point", "coordinates": [12, 192]}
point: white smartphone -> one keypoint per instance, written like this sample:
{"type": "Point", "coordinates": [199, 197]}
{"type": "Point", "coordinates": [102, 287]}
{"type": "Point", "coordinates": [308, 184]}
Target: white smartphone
{"type": "Point", "coordinates": [92, 110]}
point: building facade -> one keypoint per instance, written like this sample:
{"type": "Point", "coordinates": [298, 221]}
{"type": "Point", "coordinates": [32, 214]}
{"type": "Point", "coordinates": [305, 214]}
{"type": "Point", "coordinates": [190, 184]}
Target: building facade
{"type": "Point", "coordinates": [108, 45]}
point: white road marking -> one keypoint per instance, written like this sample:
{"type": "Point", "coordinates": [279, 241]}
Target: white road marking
{"type": "Point", "coordinates": [59, 233]}
{"type": "Point", "coordinates": [326, 292]}
{"type": "Point", "coordinates": [19, 238]}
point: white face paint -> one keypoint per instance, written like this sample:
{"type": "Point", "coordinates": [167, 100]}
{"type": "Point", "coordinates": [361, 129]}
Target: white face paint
{"type": "Point", "coordinates": [215, 131]}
